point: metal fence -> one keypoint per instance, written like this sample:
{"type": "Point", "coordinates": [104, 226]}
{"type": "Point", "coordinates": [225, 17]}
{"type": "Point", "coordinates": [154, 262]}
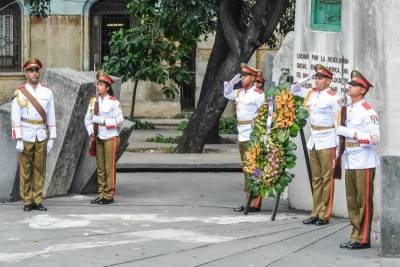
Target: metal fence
{"type": "Point", "coordinates": [10, 37]}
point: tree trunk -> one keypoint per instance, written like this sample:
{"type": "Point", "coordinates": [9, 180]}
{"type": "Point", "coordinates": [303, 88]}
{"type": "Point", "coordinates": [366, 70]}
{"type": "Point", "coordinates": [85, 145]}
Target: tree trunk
{"type": "Point", "coordinates": [213, 136]}
{"type": "Point", "coordinates": [212, 102]}
{"type": "Point", "coordinates": [133, 100]}
{"type": "Point", "coordinates": [218, 54]}
{"type": "Point", "coordinates": [208, 111]}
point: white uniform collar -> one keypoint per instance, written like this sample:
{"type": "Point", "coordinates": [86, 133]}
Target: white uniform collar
{"type": "Point", "coordinates": [30, 87]}
{"type": "Point", "coordinates": [357, 104]}
{"type": "Point", "coordinates": [250, 89]}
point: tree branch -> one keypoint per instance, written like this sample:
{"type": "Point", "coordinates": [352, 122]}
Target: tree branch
{"type": "Point", "coordinates": [264, 22]}
{"type": "Point", "coordinates": [232, 34]}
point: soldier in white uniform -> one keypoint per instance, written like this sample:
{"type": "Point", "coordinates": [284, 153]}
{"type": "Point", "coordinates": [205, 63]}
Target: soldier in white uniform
{"type": "Point", "coordinates": [34, 134]}
{"type": "Point", "coordinates": [323, 105]}
{"type": "Point", "coordinates": [359, 160]}
{"type": "Point", "coordinates": [248, 100]}
{"type": "Point", "coordinates": [107, 142]}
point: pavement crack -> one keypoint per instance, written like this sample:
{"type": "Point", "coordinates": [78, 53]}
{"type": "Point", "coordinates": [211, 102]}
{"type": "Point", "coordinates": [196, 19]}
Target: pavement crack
{"type": "Point", "coordinates": [198, 247]}
{"type": "Point", "coordinates": [260, 246]}
{"type": "Point", "coordinates": [309, 244]}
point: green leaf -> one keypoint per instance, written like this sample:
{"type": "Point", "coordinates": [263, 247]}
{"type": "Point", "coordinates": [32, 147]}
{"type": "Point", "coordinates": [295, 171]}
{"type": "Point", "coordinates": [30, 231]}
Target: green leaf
{"type": "Point", "coordinates": [290, 146]}
{"type": "Point", "coordinates": [301, 123]}
{"type": "Point", "coordinates": [263, 191]}
{"type": "Point", "coordinates": [290, 164]}
{"type": "Point", "coordinates": [282, 135]}
{"type": "Point", "coordinates": [294, 130]}
{"type": "Point", "coordinates": [279, 188]}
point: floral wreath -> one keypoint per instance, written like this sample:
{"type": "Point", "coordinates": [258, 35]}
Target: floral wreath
{"type": "Point", "coordinates": [271, 152]}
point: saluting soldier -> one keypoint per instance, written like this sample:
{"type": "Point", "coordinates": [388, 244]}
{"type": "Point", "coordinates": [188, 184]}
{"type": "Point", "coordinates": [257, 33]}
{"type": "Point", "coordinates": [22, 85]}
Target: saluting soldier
{"type": "Point", "coordinates": [110, 117]}
{"type": "Point", "coordinates": [360, 160]}
{"type": "Point", "coordinates": [34, 127]}
{"type": "Point", "coordinates": [323, 105]}
{"type": "Point", "coordinates": [248, 100]}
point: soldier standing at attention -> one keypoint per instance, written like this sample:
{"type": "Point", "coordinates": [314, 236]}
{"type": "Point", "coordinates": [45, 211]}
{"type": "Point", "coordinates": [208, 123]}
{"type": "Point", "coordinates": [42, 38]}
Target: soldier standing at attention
{"type": "Point", "coordinates": [248, 100]}
{"type": "Point", "coordinates": [359, 160]}
{"type": "Point", "coordinates": [323, 105]}
{"type": "Point", "coordinates": [110, 117]}
{"type": "Point", "coordinates": [34, 127]}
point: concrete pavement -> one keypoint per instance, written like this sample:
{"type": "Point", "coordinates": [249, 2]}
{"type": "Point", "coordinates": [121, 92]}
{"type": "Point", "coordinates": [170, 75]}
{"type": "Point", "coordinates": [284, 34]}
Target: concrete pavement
{"type": "Point", "coordinates": [171, 219]}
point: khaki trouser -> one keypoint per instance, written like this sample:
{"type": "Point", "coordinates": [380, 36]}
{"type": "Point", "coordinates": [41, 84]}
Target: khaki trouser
{"type": "Point", "coordinates": [359, 196]}
{"type": "Point", "coordinates": [32, 171]}
{"type": "Point", "coordinates": [106, 156]}
{"type": "Point", "coordinates": [257, 200]}
{"type": "Point", "coordinates": [321, 162]}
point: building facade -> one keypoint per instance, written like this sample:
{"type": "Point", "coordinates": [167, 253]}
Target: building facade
{"type": "Point", "coordinates": [76, 35]}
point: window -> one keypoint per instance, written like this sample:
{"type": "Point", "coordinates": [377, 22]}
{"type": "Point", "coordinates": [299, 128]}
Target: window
{"type": "Point", "coordinates": [106, 16]}
{"type": "Point", "coordinates": [326, 15]}
{"type": "Point", "coordinates": [10, 36]}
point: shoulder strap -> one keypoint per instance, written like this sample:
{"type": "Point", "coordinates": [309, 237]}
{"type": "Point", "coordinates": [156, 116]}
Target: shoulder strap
{"type": "Point", "coordinates": [308, 95]}
{"type": "Point", "coordinates": [35, 103]}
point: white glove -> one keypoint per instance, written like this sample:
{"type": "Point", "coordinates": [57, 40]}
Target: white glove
{"type": "Point", "coordinates": [50, 144]}
{"type": "Point", "coordinates": [344, 131]}
{"type": "Point", "coordinates": [98, 120]}
{"type": "Point", "coordinates": [237, 78]}
{"type": "Point", "coordinates": [20, 146]}
{"type": "Point", "coordinates": [296, 87]}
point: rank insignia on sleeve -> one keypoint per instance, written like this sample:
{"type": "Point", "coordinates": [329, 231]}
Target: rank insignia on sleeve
{"type": "Point", "coordinates": [374, 119]}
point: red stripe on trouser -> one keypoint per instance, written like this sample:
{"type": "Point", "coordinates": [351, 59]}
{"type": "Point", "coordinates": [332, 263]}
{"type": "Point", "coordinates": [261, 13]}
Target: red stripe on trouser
{"type": "Point", "coordinates": [366, 217]}
{"type": "Point", "coordinates": [113, 166]}
{"type": "Point", "coordinates": [258, 201]}
{"type": "Point", "coordinates": [331, 188]}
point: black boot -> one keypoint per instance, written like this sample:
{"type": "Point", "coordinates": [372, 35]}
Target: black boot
{"type": "Point", "coordinates": [104, 201]}
{"type": "Point", "coordinates": [321, 222]}
{"type": "Point", "coordinates": [95, 201]}
{"type": "Point", "coordinates": [345, 245]}
{"type": "Point", "coordinates": [358, 245]}
{"type": "Point", "coordinates": [311, 220]}
{"type": "Point", "coordinates": [28, 207]}
{"type": "Point", "coordinates": [239, 209]}
{"type": "Point", "coordinates": [40, 207]}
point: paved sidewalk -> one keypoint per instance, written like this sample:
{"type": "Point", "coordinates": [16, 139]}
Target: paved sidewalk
{"type": "Point", "coordinates": [219, 157]}
{"type": "Point", "coordinates": [171, 219]}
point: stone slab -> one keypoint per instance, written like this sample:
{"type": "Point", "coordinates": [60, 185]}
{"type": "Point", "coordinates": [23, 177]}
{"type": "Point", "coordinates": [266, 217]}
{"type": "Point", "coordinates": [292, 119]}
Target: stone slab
{"type": "Point", "coordinates": [8, 156]}
{"type": "Point", "coordinates": [390, 199]}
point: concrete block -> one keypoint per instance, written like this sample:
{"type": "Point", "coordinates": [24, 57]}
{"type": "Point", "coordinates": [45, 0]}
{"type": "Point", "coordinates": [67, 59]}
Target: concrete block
{"type": "Point", "coordinates": [72, 91]}
{"type": "Point", "coordinates": [390, 209]}
{"type": "Point", "coordinates": [8, 157]}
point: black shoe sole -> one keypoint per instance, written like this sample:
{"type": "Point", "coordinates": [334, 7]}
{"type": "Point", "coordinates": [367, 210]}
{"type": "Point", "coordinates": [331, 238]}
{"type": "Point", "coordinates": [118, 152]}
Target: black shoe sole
{"type": "Point", "coordinates": [359, 247]}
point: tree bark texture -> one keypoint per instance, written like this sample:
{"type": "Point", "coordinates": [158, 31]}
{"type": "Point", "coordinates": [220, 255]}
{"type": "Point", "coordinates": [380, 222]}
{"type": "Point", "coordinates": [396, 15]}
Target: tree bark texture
{"type": "Point", "coordinates": [231, 47]}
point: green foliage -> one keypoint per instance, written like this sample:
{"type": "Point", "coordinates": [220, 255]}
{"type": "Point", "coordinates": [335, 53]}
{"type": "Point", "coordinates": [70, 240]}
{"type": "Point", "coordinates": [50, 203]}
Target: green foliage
{"type": "Point", "coordinates": [182, 125]}
{"type": "Point", "coordinates": [226, 126]}
{"type": "Point", "coordinates": [143, 125]}
{"type": "Point", "coordinates": [159, 138]}
{"type": "Point", "coordinates": [159, 46]}
{"type": "Point", "coordinates": [285, 25]}
{"type": "Point", "coordinates": [39, 8]}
